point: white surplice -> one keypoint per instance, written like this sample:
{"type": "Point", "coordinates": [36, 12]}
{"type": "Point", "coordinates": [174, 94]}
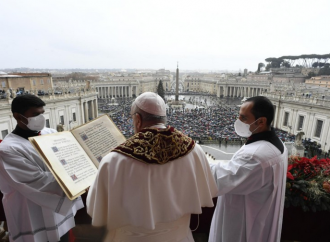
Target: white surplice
{"type": "Point", "coordinates": [146, 202]}
{"type": "Point", "coordinates": [36, 208]}
{"type": "Point", "coordinates": [251, 195]}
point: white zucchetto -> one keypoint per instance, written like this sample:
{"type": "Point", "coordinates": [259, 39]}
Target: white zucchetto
{"type": "Point", "coordinates": [151, 103]}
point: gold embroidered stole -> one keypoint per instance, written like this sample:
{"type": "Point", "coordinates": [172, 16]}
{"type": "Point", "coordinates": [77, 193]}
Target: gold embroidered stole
{"type": "Point", "coordinates": [156, 146]}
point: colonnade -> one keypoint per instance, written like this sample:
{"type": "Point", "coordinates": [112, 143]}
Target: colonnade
{"type": "Point", "coordinates": [90, 110]}
{"type": "Point", "coordinates": [240, 91]}
{"type": "Point", "coordinates": [116, 91]}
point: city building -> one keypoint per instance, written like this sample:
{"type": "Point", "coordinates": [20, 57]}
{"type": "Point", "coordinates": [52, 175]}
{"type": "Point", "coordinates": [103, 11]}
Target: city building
{"type": "Point", "coordinates": [303, 113]}
{"type": "Point", "coordinates": [286, 70]}
{"type": "Point", "coordinates": [299, 106]}
{"type": "Point", "coordinates": [259, 77]}
{"type": "Point", "coordinates": [30, 82]}
{"type": "Point", "coordinates": [306, 71]}
{"type": "Point", "coordinates": [321, 81]}
{"type": "Point", "coordinates": [224, 85]}
{"type": "Point", "coordinates": [200, 84]}
{"type": "Point", "coordinates": [288, 78]}
{"type": "Point", "coordinates": [71, 110]}
{"type": "Point", "coordinates": [133, 84]}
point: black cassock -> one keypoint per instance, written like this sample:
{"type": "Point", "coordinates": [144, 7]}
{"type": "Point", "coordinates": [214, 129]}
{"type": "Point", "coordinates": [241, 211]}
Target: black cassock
{"type": "Point", "coordinates": [2, 212]}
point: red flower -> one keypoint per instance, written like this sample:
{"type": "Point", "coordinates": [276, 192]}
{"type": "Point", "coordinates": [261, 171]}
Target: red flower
{"type": "Point", "coordinates": [288, 174]}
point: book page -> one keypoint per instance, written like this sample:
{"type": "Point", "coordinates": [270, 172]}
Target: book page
{"type": "Point", "coordinates": [98, 137]}
{"type": "Point", "coordinates": [67, 159]}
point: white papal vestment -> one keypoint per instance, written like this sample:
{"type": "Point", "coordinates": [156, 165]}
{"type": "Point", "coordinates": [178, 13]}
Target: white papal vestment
{"type": "Point", "coordinates": [35, 206]}
{"type": "Point", "coordinates": [251, 195]}
{"type": "Point", "coordinates": [150, 203]}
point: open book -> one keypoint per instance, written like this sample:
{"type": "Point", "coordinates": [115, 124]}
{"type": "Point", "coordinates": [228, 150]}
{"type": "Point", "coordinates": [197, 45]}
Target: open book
{"type": "Point", "coordinates": [73, 156]}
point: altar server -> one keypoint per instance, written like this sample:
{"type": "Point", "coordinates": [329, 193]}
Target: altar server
{"type": "Point", "coordinates": [251, 186]}
{"type": "Point", "coordinates": [36, 208]}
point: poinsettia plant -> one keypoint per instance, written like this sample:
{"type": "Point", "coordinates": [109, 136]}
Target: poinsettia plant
{"type": "Point", "coordinates": [308, 184]}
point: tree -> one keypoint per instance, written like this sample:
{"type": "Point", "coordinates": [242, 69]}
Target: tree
{"type": "Point", "coordinates": [274, 62]}
{"type": "Point", "coordinates": [160, 89]}
{"type": "Point", "coordinates": [311, 74]}
{"type": "Point", "coordinates": [260, 65]}
{"type": "Point", "coordinates": [324, 72]}
{"type": "Point", "coordinates": [286, 64]}
{"type": "Point", "coordinates": [315, 64]}
{"type": "Point", "coordinates": [306, 60]}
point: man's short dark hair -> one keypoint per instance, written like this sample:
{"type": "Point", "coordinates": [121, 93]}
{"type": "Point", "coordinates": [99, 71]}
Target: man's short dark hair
{"type": "Point", "coordinates": [262, 107]}
{"type": "Point", "coordinates": [22, 103]}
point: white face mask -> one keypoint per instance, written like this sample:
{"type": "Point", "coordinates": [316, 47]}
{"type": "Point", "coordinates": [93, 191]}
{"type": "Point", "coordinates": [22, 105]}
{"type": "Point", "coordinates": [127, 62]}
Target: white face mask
{"type": "Point", "coordinates": [243, 129]}
{"type": "Point", "coordinates": [36, 123]}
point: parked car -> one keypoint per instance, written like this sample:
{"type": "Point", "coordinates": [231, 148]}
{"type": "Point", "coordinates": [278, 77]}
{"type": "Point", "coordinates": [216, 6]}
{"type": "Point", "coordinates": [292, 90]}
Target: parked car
{"type": "Point", "coordinates": [41, 93]}
{"type": "Point", "coordinates": [19, 93]}
{"type": "Point", "coordinates": [57, 92]}
{"type": "Point", "coordinates": [3, 95]}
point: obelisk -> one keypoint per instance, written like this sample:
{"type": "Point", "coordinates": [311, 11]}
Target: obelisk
{"type": "Point", "coordinates": [177, 84]}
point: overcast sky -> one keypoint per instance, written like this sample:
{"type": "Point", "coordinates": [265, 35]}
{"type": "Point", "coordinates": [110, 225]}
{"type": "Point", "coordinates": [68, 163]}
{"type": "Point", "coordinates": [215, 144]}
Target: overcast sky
{"type": "Point", "coordinates": [201, 35]}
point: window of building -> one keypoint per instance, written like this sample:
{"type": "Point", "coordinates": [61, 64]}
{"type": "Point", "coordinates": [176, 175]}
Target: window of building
{"type": "Point", "coordinates": [42, 82]}
{"type": "Point", "coordinates": [74, 117]}
{"type": "Point", "coordinates": [286, 118]}
{"type": "Point", "coordinates": [62, 119]}
{"type": "Point", "coordinates": [4, 133]}
{"type": "Point", "coordinates": [318, 129]}
{"type": "Point", "coordinates": [300, 122]}
{"type": "Point", "coordinates": [47, 123]}
{"type": "Point", "coordinates": [3, 84]}
{"type": "Point", "coordinates": [34, 82]}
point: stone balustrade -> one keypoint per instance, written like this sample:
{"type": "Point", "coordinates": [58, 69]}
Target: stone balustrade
{"type": "Point", "coordinates": [317, 101]}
